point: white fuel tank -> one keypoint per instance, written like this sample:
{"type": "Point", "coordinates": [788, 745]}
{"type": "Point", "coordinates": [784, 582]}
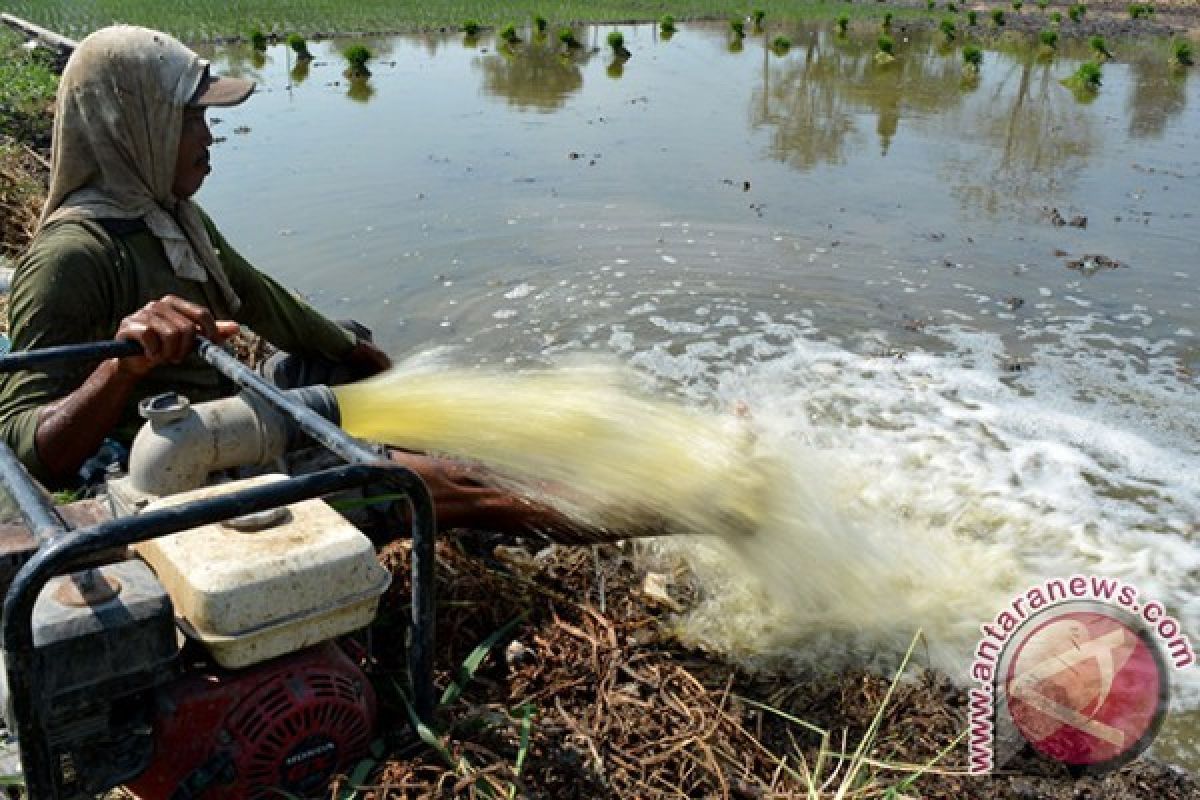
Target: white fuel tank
{"type": "Point", "coordinates": [260, 586]}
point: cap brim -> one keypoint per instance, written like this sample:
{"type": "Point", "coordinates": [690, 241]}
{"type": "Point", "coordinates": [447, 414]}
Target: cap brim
{"type": "Point", "coordinates": [218, 90]}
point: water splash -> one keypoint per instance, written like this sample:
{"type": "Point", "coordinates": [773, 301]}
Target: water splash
{"type": "Point", "coordinates": [778, 532]}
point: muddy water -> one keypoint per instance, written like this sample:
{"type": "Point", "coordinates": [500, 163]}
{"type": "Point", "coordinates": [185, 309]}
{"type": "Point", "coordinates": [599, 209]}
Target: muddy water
{"type": "Point", "coordinates": [866, 257]}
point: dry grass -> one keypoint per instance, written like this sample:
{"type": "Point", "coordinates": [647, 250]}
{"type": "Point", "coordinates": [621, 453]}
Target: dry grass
{"type": "Point", "coordinates": [23, 177]}
{"type": "Point", "coordinates": [589, 697]}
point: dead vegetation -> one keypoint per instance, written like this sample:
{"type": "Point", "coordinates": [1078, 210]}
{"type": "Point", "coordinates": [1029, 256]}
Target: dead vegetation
{"type": "Point", "coordinates": [580, 691]}
{"type": "Point", "coordinates": [23, 179]}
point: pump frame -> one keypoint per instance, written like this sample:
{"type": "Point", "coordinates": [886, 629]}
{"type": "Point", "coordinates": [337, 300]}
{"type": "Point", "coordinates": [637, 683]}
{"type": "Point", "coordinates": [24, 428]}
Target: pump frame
{"type": "Point", "coordinates": [61, 550]}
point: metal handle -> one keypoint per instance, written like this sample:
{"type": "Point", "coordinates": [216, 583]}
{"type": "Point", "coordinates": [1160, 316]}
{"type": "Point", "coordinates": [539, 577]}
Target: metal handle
{"type": "Point", "coordinates": [90, 351]}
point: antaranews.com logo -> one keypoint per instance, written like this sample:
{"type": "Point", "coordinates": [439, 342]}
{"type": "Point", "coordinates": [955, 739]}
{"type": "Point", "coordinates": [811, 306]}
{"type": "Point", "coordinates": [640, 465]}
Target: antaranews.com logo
{"type": "Point", "coordinates": [1077, 669]}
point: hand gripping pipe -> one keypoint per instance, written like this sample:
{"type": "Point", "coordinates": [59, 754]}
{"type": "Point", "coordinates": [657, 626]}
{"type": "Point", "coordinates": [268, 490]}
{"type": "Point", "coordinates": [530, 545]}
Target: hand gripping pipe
{"type": "Point", "coordinates": [60, 550]}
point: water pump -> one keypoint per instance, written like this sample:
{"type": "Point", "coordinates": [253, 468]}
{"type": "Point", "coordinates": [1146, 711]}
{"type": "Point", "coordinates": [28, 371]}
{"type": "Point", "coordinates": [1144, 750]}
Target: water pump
{"type": "Point", "coordinates": [185, 643]}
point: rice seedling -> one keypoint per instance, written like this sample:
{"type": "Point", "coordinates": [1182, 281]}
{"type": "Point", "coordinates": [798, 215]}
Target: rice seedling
{"type": "Point", "coordinates": [781, 45]}
{"type": "Point", "coordinates": [1042, 4]}
{"type": "Point", "coordinates": [616, 40]}
{"type": "Point", "coordinates": [758, 15]}
{"type": "Point", "coordinates": [1182, 53]}
{"type": "Point", "coordinates": [357, 56]}
{"type": "Point", "coordinates": [1086, 80]}
{"type": "Point", "coordinates": [258, 40]}
{"type": "Point", "coordinates": [539, 25]}
{"type": "Point", "coordinates": [1140, 10]}
{"type": "Point", "coordinates": [843, 22]}
{"type": "Point", "coordinates": [1099, 47]}
{"type": "Point", "coordinates": [1056, 17]}
{"type": "Point", "coordinates": [887, 21]}
{"type": "Point", "coordinates": [1049, 38]}
{"type": "Point", "coordinates": [972, 18]}
{"type": "Point", "coordinates": [471, 27]}
{"type": "Point", "coordinates": [952, 8]}
{"type": "Point", "coordinates": [998, 17]}
{"type": "Point", "coordinates": [667, 25]}
{"type": "Point", "coordinates": [738, 27]}
{"type": "Point", "coordinates": [886, 44]}
{"type": "Point", "coordinates": [299, 47]}
{"type": "Point", "coordinates": [567, 38]}
{"type": "Point", "coordinates": [1076, 12]}
{"type": "Point", "coordinates": [1017, 5]}
{"type": "Point", "coordinates": [948, 28]}
{"type": "Point", "coordinates": [972, 56]}
{"type": "Point", "coordinates": [509, 34]}
{"type": "Point", "coordinates": [930, 5]}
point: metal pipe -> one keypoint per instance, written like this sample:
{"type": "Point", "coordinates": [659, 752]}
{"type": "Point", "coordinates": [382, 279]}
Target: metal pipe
{"type": "Point", "coordinates": [89, 351]}
{"type": "Point", "coordinates": [320, 429]}
{"type": "Point", "coordinates": [73, 547]}
{"type": "Point", "coordinates": [36, 509]}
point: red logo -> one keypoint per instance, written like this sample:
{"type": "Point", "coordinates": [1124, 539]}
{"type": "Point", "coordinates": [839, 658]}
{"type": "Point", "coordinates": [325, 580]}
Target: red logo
{"type": "Point", "coordinates": [1086, 689]}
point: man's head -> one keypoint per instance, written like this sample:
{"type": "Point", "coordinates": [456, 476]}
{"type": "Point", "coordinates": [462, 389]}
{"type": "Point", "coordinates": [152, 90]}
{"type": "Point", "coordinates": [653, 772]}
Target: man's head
{"type": "Point", "coordinates": [130, 120]}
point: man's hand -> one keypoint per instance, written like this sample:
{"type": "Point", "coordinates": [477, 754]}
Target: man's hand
{"type": "Point", "coordinates": [166, 329]}
{"type": "Point", "coordinates": [367, 359]}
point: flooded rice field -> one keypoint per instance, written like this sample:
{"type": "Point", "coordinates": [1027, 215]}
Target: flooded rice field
{"type": "Point", "coordinates": [969, 308]}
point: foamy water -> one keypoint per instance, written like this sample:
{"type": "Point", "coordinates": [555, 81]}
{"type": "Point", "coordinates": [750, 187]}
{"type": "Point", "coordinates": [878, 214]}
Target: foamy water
{"type": "Point", "coordinates": [864, 496]}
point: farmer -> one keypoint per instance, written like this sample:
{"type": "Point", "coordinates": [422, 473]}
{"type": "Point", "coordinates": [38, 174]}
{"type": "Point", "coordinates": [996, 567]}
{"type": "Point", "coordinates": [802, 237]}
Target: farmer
{"type": "Point", "coordinates": [123, 252]}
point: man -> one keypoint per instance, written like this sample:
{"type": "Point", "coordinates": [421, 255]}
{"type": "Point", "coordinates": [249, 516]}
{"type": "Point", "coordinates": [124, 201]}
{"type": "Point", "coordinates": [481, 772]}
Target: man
{"type": "Point", "coordinates": [123, 252]}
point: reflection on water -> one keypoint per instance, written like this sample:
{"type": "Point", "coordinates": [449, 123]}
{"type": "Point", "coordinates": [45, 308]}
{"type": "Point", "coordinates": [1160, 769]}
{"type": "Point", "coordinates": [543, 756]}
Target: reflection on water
{"type": "Point", "coordinates": [811, 103]}
{"type": "Point", "coordinates": [1038, 140]}
{"type": "Point", "coordinates": [359, 89]}
{"type": "Point", "coordinates": [535, 76]}
{"type": "Point", "coordinates": [1156, 96]}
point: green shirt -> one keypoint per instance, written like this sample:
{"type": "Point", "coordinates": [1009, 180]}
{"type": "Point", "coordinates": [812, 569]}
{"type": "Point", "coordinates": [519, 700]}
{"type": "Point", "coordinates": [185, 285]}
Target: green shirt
{"type": "Point", "coordinates": [77, 282]}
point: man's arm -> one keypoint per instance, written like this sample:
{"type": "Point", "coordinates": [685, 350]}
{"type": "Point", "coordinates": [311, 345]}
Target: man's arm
{"type": "Point", "coordinates": [71, 429]}
{"type": "Point", "coordinates": [287, 321]}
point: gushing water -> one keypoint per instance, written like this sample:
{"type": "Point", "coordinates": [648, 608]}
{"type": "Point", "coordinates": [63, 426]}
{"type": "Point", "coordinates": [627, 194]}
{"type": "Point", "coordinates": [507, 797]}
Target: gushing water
{"type": "Point", "coordinates": [787, 546]}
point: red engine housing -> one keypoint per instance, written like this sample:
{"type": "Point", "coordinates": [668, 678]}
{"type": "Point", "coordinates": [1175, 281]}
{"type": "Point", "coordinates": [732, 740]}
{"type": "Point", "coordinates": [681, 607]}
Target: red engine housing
{"type": "Point", "coordinates": [290, 724]}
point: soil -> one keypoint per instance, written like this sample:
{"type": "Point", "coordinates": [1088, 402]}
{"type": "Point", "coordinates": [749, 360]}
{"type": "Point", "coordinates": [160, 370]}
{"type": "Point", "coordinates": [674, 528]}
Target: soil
{"type": "Point", "coordinates": [619, 708]}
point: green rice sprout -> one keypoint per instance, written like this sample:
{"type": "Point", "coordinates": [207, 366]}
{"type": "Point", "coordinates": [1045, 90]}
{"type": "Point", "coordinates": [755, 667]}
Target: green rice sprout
{"type": "Point", "coordinates": [509, 34]}
{"type": "Point", "coordinates": [258, 40]}
{"type": "Point", "coordinates": [948, 27]}
{"type": "Point", "coordinates": [952, 8]}
{"type": "Point", "coordinates": [1086, 79]}
{"type": "Point", "coordinates": [1056, 18]}
{"type": "Point", "coordinates": [886, 44]}
{"type": "Point", "coordinates": [1076, 12]}
{"type": "Point", "coordinates": [781, 45]}
{"type": "Point", "coordinates": [998, 17]}
{"type": "Point", "coordinates": [357, 56]}
{"type": "Point", "coordinates": [738, 27]}
{"type": "Point", "coordinates": [1140, 10]}
{"type": "Point", "coordinates": [471, 27]}
{"type": "Point", "coordinates": [1041, 4]}
{"type": "Point", "coordinates": [887, 21]}
{"type": "Point", "coordinates": [1049, 38]}
{"type": "Point", "coordinates": [972, 56]}
{"type": "Point", "coordinates": [1099, 47]}
{"type": "Point", "coordinates": [299, 46]}
{"type": "Point", "coordinates": [758, 15]}
{"type": "Point", "coordinates": [539, 24]}
{"type": "Point", "coordinates": [1182, 52]}
{"type": "Point", "coordinates": [567, 37]}
{"type": "Point", "coordinates": [972, 18]}
{"type": "Point", "coordinates": [843, 22]}
{"type": "Point", "coordinates": [667, 24]}
{"type": "Point", "coordinates": [616, 40]}
{"type": "Point", "coordinates": [930, 5]}
{"type": "Point", "coordinates": [1017, 5]}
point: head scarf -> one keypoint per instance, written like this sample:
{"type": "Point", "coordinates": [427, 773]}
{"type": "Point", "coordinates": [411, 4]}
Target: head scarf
{"type": "Point", "coordinates": [117, 125]}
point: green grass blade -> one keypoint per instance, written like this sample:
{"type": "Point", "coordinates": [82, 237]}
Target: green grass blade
{"type": "Point", "coordinates": [471, 663]}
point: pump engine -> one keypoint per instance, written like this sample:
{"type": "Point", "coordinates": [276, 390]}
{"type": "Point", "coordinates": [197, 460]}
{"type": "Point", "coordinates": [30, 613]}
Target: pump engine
{"type": "Point", "coordinates": [205, 663]}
